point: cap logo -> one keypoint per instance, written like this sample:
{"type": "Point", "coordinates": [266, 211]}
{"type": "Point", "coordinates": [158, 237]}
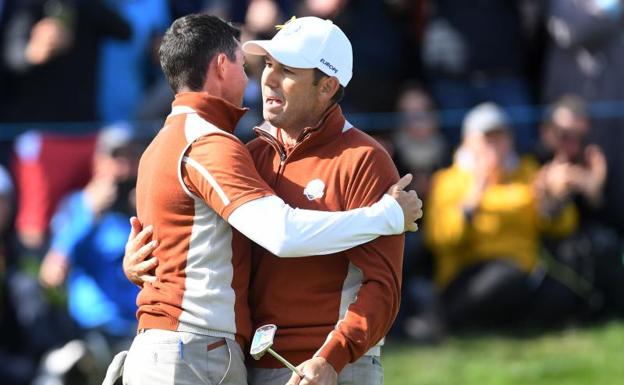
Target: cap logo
{"type": "Point", "coordinates": [281, 26]}
{"type": "Point", "coordinates": [329, 65]}
{"type": "Point", "coordinates": [288, 28]}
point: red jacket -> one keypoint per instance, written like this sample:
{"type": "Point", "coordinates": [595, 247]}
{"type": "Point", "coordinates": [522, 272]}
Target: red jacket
{"type": "Point", "coordinates": [341, 305]}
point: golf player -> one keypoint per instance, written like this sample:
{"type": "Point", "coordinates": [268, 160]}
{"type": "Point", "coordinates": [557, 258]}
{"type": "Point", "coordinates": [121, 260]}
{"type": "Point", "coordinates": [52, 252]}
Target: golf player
{"type": "Point", "coordinates": [197, 182]}
{"type": "Point", "coordinates": [332, 312]}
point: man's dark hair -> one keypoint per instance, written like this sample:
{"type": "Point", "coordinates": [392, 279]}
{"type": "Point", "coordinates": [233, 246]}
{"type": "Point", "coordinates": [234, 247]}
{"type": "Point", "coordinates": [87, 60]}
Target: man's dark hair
{"type": "Point", "coordinates": [190, 44]}
{"type": "Point", "coordinates": [318, 75]}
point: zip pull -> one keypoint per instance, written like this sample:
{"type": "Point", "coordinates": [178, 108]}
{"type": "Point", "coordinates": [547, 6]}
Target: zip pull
{"type": "Point", "coordinates": [274, 143]}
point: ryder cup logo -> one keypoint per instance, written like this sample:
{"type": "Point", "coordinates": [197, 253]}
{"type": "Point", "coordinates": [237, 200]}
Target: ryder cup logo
{"type": "Point", "coordinates": [314, 189]}
{"type": "Point", "coordinates": [288, 28]}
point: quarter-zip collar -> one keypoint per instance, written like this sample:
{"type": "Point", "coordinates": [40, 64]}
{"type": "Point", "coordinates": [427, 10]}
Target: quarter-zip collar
{"type": "Point", "coordinates": [330, 127]}
{"type": "Point", "coordinates": [217, 111]}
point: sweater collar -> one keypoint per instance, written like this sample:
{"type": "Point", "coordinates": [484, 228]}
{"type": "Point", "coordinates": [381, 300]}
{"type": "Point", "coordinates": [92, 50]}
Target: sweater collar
{"type": "Point", "coordinates": [331, 125]}
{"type": "Point", "coordinates": [217, 111]}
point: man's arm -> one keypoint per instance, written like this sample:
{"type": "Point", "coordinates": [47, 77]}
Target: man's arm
{"type": "Point", "coordinates": [447, 229]}
{"type": "Point", "coordinates": [219, 170]}
{"type": "Point", "coordinates": [292, 232]}
{"type": "Point", "coordinates": [138, 262]}
{"type": "Point", "coordinates": [69, 225]}
{"type": "Point", "coordinates": [375, 305]}
{"type": "Point", "coordinates": [368, 319]}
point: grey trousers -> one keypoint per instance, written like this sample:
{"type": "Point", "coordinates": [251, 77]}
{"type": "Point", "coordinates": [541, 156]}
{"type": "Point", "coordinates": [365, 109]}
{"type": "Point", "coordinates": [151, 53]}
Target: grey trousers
{"type": "Point", "coordinates": [161, 357]}
{"type": "Point", "coordinates": [365, 371]}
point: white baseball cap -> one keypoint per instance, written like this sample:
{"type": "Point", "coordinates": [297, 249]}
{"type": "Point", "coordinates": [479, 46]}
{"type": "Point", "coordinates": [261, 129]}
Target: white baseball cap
{"type": "Point", "coordinates": [484, 118]}
{"type": "Point", "coordinates": [114, 137]}
{"type": "Point", "coordinates": [309, 42]}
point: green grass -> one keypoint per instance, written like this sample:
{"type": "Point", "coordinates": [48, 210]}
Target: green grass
{"type": "Point", "coordinates": [589, 356]}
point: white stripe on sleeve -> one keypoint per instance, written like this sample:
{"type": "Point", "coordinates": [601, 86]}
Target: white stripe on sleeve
{"type": "Point", "coordinates": [213, 182]}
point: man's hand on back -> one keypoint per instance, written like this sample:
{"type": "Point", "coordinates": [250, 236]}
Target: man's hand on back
{"type": "Point", "coordinates": [409, 202]}
{"type": "Point", "coordinates": [136, 265]}
{"type": "Point", "coordinates": [317, 371]}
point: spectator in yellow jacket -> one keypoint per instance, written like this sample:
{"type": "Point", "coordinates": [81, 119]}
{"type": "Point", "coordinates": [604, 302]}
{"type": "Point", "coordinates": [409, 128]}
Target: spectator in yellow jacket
{"type": "Point", "coordinates": [485, 218]}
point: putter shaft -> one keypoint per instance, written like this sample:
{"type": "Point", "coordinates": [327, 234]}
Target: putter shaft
{"type": "Point", "coordinates": [285, 362]}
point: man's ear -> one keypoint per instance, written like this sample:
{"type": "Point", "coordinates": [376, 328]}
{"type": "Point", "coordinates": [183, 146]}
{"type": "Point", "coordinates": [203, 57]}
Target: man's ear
{"type": "Point", "coordinates": [221, 65]}
{"type": "Point", "coordinates": [328, 87]}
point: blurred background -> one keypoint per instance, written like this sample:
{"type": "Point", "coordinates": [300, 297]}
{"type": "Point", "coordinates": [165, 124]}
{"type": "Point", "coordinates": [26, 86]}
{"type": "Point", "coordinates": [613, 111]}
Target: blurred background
{"type": "Point", "coordinates": [509, 114]}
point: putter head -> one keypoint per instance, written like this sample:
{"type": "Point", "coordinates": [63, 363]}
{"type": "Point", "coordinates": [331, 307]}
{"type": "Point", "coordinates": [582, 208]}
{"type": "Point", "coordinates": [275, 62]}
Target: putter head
{"type": "Point", "coordinates": [262, 340]}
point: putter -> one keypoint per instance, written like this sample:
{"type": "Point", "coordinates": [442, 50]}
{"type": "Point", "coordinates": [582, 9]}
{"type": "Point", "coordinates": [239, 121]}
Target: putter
{"type": "Point", "coordinates": [262, 342]}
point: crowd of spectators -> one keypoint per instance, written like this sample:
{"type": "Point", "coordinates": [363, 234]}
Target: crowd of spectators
{"type": "Point", "coordinates": [509, 115]}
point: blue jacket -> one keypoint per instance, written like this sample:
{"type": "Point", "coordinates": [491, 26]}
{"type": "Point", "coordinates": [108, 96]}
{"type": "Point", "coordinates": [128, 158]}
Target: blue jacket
{"type": "Point", "coordinates": [99, 294]}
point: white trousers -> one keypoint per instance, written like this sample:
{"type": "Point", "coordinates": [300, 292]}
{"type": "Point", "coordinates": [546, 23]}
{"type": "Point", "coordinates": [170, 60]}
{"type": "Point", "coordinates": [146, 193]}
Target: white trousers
{"type": "Point", "coordinates": [162, 357]}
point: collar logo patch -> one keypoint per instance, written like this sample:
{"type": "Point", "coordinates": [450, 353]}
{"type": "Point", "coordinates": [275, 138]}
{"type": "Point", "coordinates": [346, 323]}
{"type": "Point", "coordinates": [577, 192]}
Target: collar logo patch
{"type": "Point", "coordinates": [314, 190]}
